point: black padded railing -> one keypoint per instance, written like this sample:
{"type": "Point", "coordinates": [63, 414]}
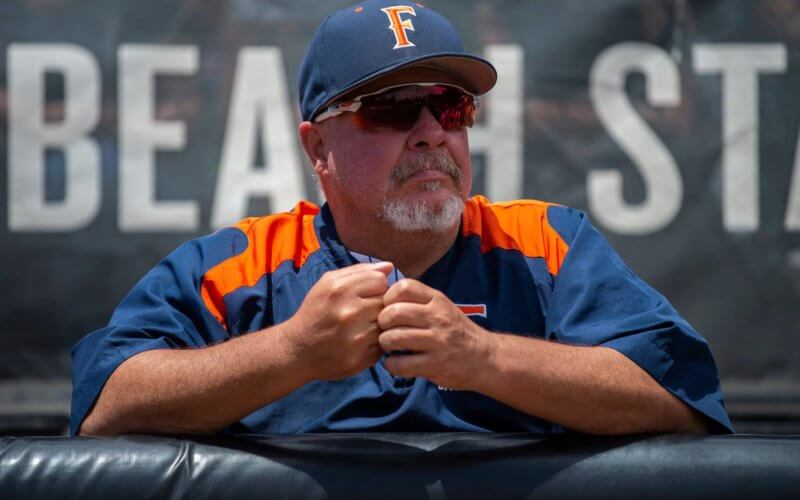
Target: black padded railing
{"type": "Point", "coordinates": [387, 466]}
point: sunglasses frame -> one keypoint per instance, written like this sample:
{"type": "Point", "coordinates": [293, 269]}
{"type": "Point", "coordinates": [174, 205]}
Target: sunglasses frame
{"type": "Point", "coordinates": [354, 104]}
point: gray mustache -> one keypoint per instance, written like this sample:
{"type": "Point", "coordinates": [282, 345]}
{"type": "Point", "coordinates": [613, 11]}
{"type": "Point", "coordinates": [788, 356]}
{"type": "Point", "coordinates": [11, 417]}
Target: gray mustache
{"type": "Point", "coordinates": [441, 162]}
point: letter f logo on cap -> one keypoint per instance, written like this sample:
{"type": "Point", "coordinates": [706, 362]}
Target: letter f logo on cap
{"type": "Point", "coordinates": [399, 26]}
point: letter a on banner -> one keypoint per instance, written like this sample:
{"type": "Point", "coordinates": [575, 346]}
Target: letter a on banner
{"type": "Point", "coordinates": [259, 93]}
{"type": "Point", "coordinates": [792, 220]}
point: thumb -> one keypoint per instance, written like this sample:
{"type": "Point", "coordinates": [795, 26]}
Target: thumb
{"type": "Point", "coordinates": [384, 267]}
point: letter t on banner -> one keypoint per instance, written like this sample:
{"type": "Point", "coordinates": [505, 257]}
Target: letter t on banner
{"type": "Point", "coordinates": [740, 65]}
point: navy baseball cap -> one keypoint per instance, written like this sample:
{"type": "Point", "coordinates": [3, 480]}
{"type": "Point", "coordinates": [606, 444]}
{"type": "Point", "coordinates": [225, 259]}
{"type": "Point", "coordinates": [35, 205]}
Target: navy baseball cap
{"type": "Point", "coordinates": [375, 38]}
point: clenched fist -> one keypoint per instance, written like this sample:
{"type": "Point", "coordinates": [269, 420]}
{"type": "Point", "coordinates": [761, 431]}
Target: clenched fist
{"type": "Point", "coordinates": [335, 331]}
{"type": "Point", "coordinates": [447, 347]}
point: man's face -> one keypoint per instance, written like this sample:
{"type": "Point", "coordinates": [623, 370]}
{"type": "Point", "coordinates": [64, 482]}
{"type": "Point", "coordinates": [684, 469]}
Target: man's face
{"type": "Point", "coordinates": [415, 180]}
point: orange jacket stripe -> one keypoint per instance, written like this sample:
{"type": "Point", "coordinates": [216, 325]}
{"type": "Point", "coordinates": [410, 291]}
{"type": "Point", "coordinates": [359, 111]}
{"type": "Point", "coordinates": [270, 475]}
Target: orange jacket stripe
{"type": "Point", "coordinates": [473, 309]}
{"type": "Point", "coordinates": [499, 225]}
{"type": "Point", "coordinates": [293, 238]}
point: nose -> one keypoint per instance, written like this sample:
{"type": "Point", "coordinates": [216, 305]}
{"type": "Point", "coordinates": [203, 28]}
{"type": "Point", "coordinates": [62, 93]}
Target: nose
{"type": "Point", "coordinates": [427, 133]}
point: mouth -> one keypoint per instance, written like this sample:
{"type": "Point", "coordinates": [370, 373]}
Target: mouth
{"type": "Point", "coordinates": [427, 168]}
{"type": "Point", "coordinates": [429, 175]}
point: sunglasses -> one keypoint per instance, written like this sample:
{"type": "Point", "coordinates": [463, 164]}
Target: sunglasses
{"type": "Point", "coordinates": [399, 107]}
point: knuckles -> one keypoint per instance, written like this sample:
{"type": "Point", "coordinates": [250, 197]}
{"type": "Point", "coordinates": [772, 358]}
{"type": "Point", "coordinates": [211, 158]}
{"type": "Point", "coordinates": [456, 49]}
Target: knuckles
{"type": "Point", "coordinates": [387, 317]}
{"type": "Point", "coordinates": [404, 286]}
{"type": "Point", "coordinates": [346, 314]}
{"type": "Point", "coordinates": [336, 290]}
{"type": "Point", "coordinates": [401, 290]}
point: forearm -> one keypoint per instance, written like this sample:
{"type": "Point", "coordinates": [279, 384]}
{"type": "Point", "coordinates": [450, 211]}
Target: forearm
{"type": "Point", "coordinates": [589, 389]}
{"type": "Point", "coordinates": [196, 390]}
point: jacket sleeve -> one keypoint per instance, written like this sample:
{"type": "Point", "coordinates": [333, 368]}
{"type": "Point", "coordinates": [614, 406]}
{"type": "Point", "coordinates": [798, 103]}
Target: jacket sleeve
{"type": "Point", "coordinates": [164, 310]}
{"type": "Point", "coordinates": [598, 300]}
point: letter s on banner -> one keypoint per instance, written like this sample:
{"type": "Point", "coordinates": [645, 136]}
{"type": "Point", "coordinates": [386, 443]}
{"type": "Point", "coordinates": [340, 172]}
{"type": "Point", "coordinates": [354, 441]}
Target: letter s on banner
{"type": "Point", "coordinates": [662, 179]}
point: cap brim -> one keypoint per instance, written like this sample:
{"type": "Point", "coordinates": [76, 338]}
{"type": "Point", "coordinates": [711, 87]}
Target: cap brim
{"type": "Point", "coordinates": [474, 74]}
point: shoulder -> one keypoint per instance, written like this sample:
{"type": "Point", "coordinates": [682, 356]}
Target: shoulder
{"type": "Point", "coordinates": [255, 247]}
{"type": "Point", "coordinates": [273, 239]}
{"type": "Point", "coordinates": [534, 228]}
{"type": "Point", "coordinates": [270, 239]}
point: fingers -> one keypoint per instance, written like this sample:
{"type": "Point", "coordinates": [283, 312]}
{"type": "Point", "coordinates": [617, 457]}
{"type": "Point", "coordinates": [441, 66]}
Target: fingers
{"type": "Point", "coordinates": [407, 339]}
{"type": "Point", "coordinates": [384, 268]}
{"type": "Point", "coordinates": [408, 290]}
{"type": "Point", "coordinates": [403, 314]}
{"type": "Point", "coordinates": [410, 365]}
{"type": "Point", "coordinates": [363, 280]}
{"type": "Point", "coordinates": [371, 307]}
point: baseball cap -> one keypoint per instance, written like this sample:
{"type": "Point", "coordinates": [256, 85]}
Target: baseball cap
{"type": "Point", "coordinates": [355, 46]}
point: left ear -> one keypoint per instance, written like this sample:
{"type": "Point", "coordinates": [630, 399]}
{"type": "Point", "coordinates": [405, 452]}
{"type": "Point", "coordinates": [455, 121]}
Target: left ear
{"type": "Point", "coordinates": [314, 146]}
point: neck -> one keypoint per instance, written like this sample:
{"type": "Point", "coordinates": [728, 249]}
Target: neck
{"type": "Point", "coordinates": [412, 252]}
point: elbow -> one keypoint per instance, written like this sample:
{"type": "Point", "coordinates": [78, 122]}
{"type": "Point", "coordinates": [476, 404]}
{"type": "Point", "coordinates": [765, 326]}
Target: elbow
{"type": "Point", "coordinates": [95, 425]}
{"type": "Point", "coordinates": [696, 423]}
{"type": "Point", "coordinates": [683, 421]}
{"type": "Point", "coordinates": [98, 424]}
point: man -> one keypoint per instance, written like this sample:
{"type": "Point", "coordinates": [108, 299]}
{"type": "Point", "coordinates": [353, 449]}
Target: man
{"type": "Point", "coordinates": [402, 304]}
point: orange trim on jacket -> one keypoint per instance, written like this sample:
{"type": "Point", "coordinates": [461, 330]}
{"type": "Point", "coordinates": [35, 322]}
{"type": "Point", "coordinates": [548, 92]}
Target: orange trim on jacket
{"type": "Point", "coordinates": [271, 241]}
{"type": "Point", "coordinates": [502, 225]}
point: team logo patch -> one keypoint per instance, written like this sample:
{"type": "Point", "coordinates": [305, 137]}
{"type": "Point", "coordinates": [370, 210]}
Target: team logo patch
{"type": "Point", "coordinates": [473, 309]}
{"type": "Point", "coordinates": [399, 26]}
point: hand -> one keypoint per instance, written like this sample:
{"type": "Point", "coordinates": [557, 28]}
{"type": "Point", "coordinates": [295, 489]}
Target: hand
{"type": "Point", "coordinates": [334, 333]}
{"type": "Point", "coordinates": [448, 348]}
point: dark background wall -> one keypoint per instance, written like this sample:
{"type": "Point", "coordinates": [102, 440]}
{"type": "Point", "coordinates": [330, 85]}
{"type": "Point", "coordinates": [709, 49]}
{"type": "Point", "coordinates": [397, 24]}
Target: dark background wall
{"type": "Point", "coordinates": [127, 127]}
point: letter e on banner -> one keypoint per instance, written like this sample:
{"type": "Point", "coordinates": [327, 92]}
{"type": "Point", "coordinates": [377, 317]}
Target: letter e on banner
{"type": "Point", "coordinates": [141, 135]}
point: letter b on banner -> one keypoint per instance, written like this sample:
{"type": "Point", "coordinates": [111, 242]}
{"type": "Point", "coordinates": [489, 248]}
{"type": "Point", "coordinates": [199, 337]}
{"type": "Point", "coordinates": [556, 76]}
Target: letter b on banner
{"type": "Point", "coordinates": [30, 135]}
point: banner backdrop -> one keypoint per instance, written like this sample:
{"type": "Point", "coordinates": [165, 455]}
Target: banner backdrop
{"type": "Point", "coordinates": [130, 126]}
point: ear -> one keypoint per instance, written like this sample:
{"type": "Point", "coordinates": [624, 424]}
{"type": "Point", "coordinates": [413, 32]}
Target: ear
{"type": "Point", "coordinates": [314, 145]}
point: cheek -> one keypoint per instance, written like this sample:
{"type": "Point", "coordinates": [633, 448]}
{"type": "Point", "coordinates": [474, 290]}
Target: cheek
{"type": "Point", "coordinates": [459, 150]}
{"type": "Point", "coordinates": [364, 163]}
{"type": "Point", "coordinates": [373, 158]}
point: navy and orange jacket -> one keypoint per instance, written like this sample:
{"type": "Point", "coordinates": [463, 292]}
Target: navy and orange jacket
{"type": "Point", "coordinates": [524, 267]}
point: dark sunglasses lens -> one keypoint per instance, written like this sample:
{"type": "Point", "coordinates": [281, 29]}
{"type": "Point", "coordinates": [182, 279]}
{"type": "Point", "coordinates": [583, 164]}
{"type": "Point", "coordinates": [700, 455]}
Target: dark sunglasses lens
{"type": "Point", "coordinates": [400, 110]}
{"type": "Point", "coordinates": [399, 115]}
{"type": "Point", "coordinates": [455, 113]}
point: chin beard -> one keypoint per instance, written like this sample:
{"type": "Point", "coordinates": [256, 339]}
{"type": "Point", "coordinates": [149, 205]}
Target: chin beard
{"type": "Point", "coordinates": [405, 216]}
